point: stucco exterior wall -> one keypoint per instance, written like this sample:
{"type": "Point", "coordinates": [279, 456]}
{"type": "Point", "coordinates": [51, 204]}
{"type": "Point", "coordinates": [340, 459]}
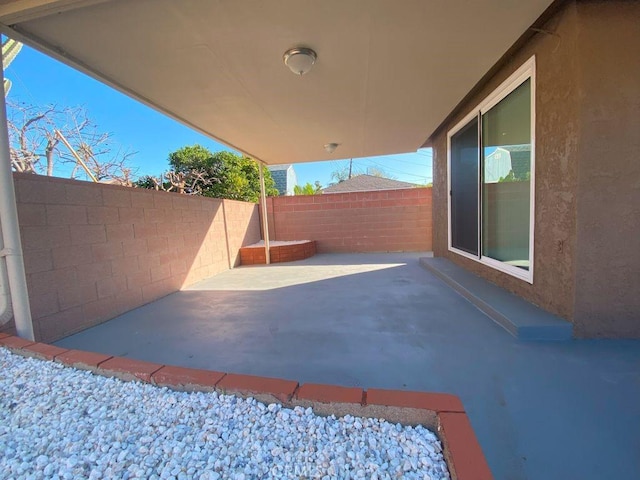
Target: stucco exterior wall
{"type": "Point", "coordinates": [587, 170]}
{"type": "Point", "coordinates": [607, 261]}
{"type": "Point", "coordinates": [557, 132]}
{"type": "Point", "coordinates": [94, 251]}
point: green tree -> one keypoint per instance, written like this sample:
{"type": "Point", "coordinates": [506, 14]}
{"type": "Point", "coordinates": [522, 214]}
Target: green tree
{"type": "Point", "coordinates": [230, 175]}
{"type": "Point", "coordinates": [512, 177]}
{"type": "Point", "coordinates": [192, 182]}
{"type": "Point", "coordinates": [192, 157]}
{"type": "Point", "coordinates": [151, 183]}
{"type": "Point", "coordinates": [307, 189]}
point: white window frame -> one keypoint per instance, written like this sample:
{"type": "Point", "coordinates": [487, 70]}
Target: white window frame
{"type": "Point", "coordinates": [525, 72]}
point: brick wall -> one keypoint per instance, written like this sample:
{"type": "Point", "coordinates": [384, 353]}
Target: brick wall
{"type": "Point", "coordinates": [93, 251]}
{"type": "Point", "coordinates": [380, 221]}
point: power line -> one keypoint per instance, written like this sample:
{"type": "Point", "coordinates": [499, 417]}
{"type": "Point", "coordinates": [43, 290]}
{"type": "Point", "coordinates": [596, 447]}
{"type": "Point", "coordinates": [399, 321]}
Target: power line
{"type": "Point", "coordinates": [411, 163]}
{"type": "Point", "coordinates": [387, 167]}
{"type": "Point", "coordinates": [14, 73]}
{"type": "Point", "coordinates": [430, 154]}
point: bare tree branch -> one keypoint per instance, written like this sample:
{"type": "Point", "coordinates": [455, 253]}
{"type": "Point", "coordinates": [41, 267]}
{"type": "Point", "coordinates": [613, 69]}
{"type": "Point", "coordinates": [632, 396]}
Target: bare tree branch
{"type": "Point", "coordinates": [35, 147]}
{"type": "Point", "coordinates": [191, 182]}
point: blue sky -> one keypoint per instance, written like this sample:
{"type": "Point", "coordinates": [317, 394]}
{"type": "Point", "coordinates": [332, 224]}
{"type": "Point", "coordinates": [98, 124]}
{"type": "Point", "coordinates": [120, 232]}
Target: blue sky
{"type": "Point", "coordinates": [40, 80]}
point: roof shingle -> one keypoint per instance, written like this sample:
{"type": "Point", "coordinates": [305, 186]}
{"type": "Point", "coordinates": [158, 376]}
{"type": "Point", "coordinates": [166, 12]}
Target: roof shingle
{"type": "Point", "coordinates": [365, 183]}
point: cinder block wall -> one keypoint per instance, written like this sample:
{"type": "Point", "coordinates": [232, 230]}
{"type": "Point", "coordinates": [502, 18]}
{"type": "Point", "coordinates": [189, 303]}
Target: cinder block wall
{"type": "Point", "coordinates": [380, 221]}
{"type": "Point", "coordinates": [94, 251]}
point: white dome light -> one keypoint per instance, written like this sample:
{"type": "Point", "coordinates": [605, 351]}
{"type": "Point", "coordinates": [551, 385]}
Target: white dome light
{"type": "Point", "coordinates": [300, 59]}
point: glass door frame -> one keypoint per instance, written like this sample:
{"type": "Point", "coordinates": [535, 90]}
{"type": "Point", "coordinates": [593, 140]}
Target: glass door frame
{"type": "Point", "coordinates": [525, 72]}
{"type": "Point", "coordinates": [451, 193]}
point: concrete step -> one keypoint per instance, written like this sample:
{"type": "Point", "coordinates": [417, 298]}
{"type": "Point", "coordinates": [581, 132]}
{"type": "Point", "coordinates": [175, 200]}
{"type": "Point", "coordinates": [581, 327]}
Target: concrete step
{"type": "Point", "coordinates": [520, 318]}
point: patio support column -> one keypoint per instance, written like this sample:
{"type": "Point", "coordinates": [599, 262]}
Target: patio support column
{"type": "Point", "coordinates": [10, 244]}
{"type": "Point", "coordinates": [265, 220]}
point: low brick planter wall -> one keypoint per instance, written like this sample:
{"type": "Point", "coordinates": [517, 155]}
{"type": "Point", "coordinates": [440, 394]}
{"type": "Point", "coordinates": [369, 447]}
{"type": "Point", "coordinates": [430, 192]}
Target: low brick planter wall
{"type": "Point", "coordinates": [289, 252]}
{"type": "Point", "coordinates": [440, 412]}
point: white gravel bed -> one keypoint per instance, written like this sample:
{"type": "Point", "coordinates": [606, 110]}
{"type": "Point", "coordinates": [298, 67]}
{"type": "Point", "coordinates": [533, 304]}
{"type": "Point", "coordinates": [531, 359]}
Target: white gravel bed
{"type": "Point", "coordinates": [57, 422]}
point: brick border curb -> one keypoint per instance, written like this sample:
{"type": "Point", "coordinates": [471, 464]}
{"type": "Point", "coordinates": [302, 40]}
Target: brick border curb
{"type": "Point", "coordinates": [254, 255]}
{"type": "Point", "coordinates": [441, 412]}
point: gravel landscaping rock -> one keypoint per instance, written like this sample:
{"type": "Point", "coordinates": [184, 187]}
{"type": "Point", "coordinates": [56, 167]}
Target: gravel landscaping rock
{"type": "Point", "coordinates": [57, 422]}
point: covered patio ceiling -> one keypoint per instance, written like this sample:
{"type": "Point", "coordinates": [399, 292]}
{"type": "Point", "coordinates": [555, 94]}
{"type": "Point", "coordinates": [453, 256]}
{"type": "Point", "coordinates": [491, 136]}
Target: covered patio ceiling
{"type": "Point", "coordinates": [387, 72]}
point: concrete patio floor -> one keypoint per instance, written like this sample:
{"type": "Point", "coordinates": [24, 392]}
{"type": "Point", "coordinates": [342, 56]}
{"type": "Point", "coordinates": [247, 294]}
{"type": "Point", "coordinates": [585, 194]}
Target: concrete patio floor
{"type": "Point", "coordinates": [566, 410]}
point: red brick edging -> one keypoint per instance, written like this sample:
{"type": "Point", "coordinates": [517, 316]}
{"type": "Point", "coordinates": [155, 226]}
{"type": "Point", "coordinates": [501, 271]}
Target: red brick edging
{"type": "Point", "coordinates": [439, 411]}
{"type": "Point", "coordinates": [255, 255]}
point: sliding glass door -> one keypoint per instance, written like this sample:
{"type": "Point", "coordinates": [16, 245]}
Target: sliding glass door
{"type": "Point", "coordinates": [464, 171]}
{"type": "Point", "coordinates": [491, 173]}
{"type": "Point", "coordinates": [506, 134]}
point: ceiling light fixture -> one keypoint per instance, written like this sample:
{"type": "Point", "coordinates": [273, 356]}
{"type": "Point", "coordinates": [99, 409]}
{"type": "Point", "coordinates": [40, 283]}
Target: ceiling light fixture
{"type": "Point", "coordinates": [300, 59]}
{"type": "Point", "coordinates": [331, 147]}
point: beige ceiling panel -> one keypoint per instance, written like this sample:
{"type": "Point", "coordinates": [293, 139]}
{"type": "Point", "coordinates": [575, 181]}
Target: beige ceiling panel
{"type": "Point", "coordinates": [388, 71]}
{"type": "Point", "coordinates": [14, 11]}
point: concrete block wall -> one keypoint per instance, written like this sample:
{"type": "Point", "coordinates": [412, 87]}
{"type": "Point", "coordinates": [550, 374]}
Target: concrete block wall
{"type": "Point", "coordinates": [378, 221]}
{"type": "Point", "coordinates": [94, 251]}
{"type": "Point", "coordinates": [242, 227]}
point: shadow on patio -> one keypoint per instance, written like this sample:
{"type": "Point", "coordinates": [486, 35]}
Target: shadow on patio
{"type": "Point", "coordinates": [540, 410]}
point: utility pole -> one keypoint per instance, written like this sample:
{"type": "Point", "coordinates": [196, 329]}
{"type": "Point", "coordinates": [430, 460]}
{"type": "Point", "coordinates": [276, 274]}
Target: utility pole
{"type": "Point", "coordinates": [350, 167]}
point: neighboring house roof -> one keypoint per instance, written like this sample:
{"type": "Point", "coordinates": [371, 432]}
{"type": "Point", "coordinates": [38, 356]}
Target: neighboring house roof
{"type": "Point", "coordinates": [520, 158]}
{"type": "Point", "coordinates": [365, 183]}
